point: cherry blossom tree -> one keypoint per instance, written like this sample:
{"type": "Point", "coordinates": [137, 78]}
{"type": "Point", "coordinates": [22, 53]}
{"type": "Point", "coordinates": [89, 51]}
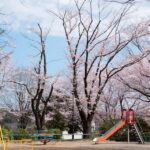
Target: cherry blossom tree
{"type": "Point", "coordinates": [21, 103]}
{"type": "Point", "coordinates": [64, 104]}
{"type": "Point", "coordinates": [138, 79]}
{"type": "Point", "coordinates": [98, 39]}
{"type": "Point", "coordinates": [118, 96]}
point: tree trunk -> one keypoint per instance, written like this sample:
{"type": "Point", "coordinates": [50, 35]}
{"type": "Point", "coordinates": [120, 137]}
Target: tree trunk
{"type": "Point", "coordinates": [39, 122]}
{"type": "Point", "coordinates": [86, 128]}
{"type": "Point", "coordinates": [23, 121]}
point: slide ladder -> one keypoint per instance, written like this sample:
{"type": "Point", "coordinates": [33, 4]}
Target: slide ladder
{"type": "Point", "coordinates": [110, 132]}
{"type": "Point", "coordinates": [139, 133]}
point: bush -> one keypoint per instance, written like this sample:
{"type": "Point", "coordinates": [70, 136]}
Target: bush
{"type": "Point", "coordinates": [5, 131]}
{"type": "Point", "coordinates": [21, 134]}
{"type": "Point", "coordinates": [58, 122]}
{"type": "Point", "coordinates": [11, 136]}
{"type": "Point", "coordinates": [57, 134]}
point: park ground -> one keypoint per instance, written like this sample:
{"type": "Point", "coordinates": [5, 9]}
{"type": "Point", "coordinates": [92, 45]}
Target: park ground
{"type": "Point", "coordinates": [77, 145]}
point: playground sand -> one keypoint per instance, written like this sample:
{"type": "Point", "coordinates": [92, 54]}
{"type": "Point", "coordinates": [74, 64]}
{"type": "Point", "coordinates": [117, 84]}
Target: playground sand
{"type": "Point", "coordinates": [77, 145]}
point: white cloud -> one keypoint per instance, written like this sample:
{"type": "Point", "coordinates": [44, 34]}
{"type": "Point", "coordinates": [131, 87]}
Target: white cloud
{"type": "Point", "coordinates": [22, 14]}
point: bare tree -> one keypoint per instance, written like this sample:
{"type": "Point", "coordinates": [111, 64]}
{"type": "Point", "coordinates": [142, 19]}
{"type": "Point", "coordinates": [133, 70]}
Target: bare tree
{"type": "Point", "coordinates": [41, 91]}
{"type": "Point", "coordinates": [96, 40]}
{"type": "Point", "coordinates": [122, 1]}
{"type": "Point", "coordinates": [5, 57]}
{"type": "Point", "coordinates": [39, 99]}
{"type": "Point", "coordinates": [5, 67]}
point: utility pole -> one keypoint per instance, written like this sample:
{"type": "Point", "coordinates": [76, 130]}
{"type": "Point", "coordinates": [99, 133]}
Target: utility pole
{"type": "Point", "coordinates": [73, 116]}
{"type": "Point", "coordinates": [128, 134]}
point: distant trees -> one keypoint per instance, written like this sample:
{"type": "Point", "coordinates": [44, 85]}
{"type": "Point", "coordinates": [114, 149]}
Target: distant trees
{"type": "Point", "coordinates": [22, 97]}
{"type": "Point", "coordinates": [17, 99]}
{"type": "Point", "coordinates": [94, 50]}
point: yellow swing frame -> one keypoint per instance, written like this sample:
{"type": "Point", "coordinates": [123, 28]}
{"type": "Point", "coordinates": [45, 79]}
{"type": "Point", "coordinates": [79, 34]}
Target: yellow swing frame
{"type": "Point", "coordinates": [2, 139]}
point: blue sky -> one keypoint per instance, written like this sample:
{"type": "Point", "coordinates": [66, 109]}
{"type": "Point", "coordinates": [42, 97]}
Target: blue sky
{"type": "Point", "coordinates": [23, 53]}
{"type": "Point", "coordinates": [24, 14]}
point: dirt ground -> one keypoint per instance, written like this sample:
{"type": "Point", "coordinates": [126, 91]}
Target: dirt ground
{"type": "Point", "coordinates": [77, 145]}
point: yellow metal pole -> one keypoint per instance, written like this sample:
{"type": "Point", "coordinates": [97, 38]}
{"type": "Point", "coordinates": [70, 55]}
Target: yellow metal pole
{"type": "Point", "coordinates": [6, 146]}
{"type": "Point", "coordinates": [21, 145]}
{"type": "Point", "coordinates": [2, 138]}
{"type": "Point", "coordinates": [32, 146]}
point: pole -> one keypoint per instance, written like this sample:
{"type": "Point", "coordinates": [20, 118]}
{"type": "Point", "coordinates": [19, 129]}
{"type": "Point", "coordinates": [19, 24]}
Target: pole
{"type": "Point", "coordinates": [32, 147]}
{"type": "Point", "coordinates": [73, 119]}
{"type": "Point", "coordinates": [128, 134]}
{"type": "Point", "coordinates": [2, 138]}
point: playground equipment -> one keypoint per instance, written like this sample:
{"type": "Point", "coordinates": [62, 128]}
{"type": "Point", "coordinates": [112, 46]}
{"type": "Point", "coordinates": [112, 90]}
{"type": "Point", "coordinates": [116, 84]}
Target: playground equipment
{"type": "Point", "coordinates": [5, 141]}
{"type": "Point", "coordinates": [44, 136]}
{"type": "Point", "coordinates": [127, 117]}
{"type": "Point", "coordinates": [2, 139]}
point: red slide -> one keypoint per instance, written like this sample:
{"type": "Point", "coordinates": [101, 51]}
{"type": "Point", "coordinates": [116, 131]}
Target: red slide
{"type": "Point", "coordinates": [110, 132]}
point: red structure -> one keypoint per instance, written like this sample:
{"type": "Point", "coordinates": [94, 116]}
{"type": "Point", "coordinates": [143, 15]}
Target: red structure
{"type": "Point", "coordinates": [130, 117]}
{"type": "Point", "coordinates": [124, 114]}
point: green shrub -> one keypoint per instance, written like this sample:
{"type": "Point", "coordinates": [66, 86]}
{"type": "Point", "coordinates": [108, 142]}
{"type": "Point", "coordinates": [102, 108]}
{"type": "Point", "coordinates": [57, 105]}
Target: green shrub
{"type": "Point", "coordinates": [21, 134]}
{"type": "Point", "coordinates": [11, 137]}
{"type": "Point", "coordinates": [5, 131]}
{"type": "Point", "coordinates": [58, 122]}
{"type": "Point", "coordinates": [57, 133]}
